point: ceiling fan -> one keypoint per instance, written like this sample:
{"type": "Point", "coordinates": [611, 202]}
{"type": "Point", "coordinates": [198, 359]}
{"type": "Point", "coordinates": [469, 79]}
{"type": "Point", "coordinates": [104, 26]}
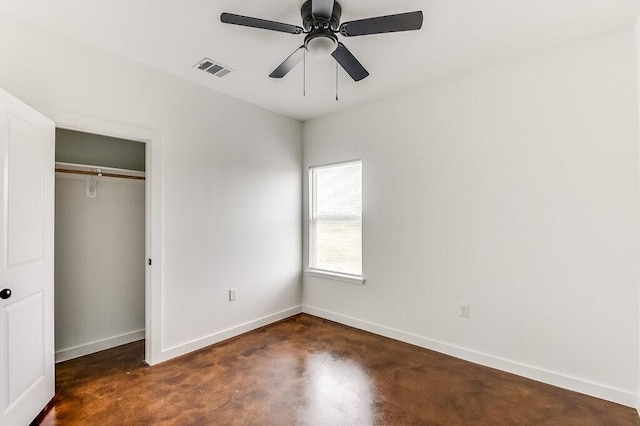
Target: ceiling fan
{"type": "Point", "coordinates": [321, 22]}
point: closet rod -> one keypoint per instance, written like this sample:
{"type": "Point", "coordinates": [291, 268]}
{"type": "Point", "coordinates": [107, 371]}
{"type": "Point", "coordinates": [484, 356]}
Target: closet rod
{"type": "Point", "coordinates": [112, 175]}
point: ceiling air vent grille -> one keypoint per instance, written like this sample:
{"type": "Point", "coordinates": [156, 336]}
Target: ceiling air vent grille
{"type": "Point", "coordinates": [213, 67]}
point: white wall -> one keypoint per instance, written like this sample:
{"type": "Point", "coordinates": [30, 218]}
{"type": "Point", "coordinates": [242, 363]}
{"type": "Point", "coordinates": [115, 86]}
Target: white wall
{"type": "Point", "coordinates": [231, 176]}
{"type": "Point", "coordinates": [99, 265]}
{"type": "Point", "coordinates": [638, 76]}
{"type": "Point", "coordinates": [514, 189]}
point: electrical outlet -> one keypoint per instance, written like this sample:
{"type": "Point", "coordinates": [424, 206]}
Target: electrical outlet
{"type": "Point", "coordinates": [233, 294]}
{"type": "Point", "coordinates": [463, 310]}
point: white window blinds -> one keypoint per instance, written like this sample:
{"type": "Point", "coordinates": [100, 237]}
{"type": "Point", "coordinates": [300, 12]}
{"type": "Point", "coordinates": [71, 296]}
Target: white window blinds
{"type": "Point", "coordinates": [336, 218]}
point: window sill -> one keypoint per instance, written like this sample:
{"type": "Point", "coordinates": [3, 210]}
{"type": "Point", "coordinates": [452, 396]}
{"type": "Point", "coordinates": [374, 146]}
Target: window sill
{"type": "Point", "coordinates": [351, 279]}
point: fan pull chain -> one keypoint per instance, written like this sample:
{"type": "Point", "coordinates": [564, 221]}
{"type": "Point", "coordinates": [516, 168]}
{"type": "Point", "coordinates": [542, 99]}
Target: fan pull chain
{"type": "Point", "coordinates": [337, 99]}
{"type": "Point", "coordinates": [304, 72]}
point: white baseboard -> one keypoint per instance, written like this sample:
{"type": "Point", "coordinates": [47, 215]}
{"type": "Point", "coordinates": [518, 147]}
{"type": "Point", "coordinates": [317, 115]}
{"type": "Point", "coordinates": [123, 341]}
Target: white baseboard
{"type": "Point", "coordinates": [99, 345]}
{"type": "Point", "coordinates": [226, 334]}
{"type": "Point", "coordinates": [531, 372]}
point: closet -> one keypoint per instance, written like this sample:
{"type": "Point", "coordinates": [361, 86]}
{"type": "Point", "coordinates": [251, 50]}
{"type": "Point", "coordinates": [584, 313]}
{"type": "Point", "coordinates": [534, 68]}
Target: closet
{"type": "Point", "coordinates": [99, 243]}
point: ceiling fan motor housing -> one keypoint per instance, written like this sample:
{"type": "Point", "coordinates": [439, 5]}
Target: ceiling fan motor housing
{"type": "Point", "coordinates": [309, 22]}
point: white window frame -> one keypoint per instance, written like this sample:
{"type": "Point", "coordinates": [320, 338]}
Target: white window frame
{"type": "Point", "coordinates": [316, 272]}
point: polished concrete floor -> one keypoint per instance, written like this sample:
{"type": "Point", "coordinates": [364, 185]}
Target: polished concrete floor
{"type": "Point", "coordinates": [309, 371]}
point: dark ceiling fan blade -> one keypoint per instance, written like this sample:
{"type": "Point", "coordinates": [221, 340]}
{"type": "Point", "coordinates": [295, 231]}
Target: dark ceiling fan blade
{"type": "Point", "coordinates": [288, 64]}
{"type": "Point", "coordinates": [322, 9]}
{"type": "Point", "coordinates": [247, 21]}
{"type": "Point", "coordinates": [349, 63]}
{"type": "Point", "coordinates": [383, 24]}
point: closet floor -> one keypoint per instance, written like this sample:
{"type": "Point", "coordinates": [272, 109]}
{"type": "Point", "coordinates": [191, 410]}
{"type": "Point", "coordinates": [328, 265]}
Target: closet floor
{"type": "Point", "coordinates": [306, 370]}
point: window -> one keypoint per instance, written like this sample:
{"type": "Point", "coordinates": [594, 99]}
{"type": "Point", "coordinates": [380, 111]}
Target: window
{"type": "Point", "coordinates": [335, 223]}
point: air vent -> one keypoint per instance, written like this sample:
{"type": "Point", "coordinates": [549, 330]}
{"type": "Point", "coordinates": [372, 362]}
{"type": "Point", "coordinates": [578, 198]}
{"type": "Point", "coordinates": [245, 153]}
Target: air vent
{"type": "Point", "coordinates": [213, 67]}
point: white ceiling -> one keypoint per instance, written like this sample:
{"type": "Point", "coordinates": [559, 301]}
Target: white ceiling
{"type": "Point", "coordinates": [457, 36]}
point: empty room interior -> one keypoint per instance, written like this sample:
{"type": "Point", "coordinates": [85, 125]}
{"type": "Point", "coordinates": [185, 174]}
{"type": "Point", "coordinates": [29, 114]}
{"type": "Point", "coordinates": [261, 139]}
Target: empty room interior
{"type": "Point", "coordinates": [320, 212]}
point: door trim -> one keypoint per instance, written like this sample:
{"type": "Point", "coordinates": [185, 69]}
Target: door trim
{"type": "Point", "coordinates": [153, 214]}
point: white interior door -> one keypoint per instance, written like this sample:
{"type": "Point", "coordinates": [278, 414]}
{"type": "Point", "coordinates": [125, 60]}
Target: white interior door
{"type": "Point", "coordinates": [27, 381]}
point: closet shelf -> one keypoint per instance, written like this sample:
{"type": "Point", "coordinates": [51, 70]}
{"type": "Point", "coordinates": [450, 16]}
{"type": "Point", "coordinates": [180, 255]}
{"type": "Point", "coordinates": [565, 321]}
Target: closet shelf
{"type": "Point", "coordinates": [82, 169]}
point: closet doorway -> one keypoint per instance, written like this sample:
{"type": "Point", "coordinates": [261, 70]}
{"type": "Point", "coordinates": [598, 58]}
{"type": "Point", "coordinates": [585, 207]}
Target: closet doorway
{"type": "Point", "coordinates": [100, 240]}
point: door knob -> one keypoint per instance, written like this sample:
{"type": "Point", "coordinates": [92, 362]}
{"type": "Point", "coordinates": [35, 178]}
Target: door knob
{"type": "Point", "coordinates": [5, 293]}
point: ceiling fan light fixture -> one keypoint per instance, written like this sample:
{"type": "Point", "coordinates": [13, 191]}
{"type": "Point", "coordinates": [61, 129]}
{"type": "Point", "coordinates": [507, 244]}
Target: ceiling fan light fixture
{"type": "Point", "coordinates": [321, 46]}
{"type": "Point", "coordinates": [321, 43]}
